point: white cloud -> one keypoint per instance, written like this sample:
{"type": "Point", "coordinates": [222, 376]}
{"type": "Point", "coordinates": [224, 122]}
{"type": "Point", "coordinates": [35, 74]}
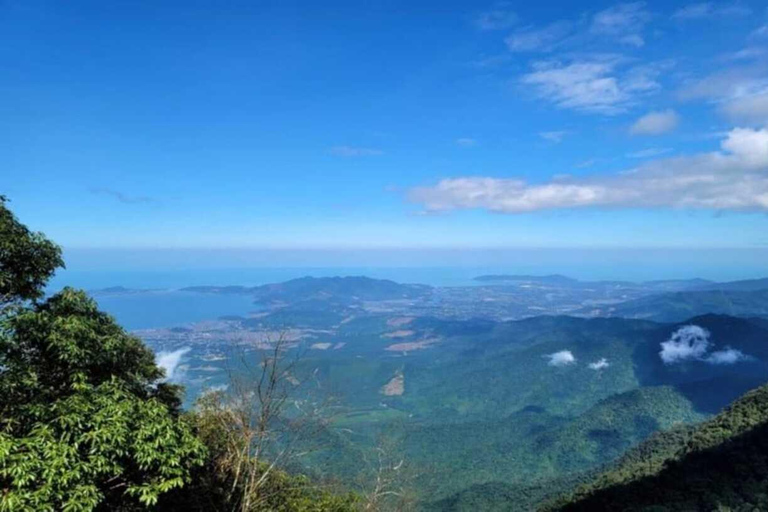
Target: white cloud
{"type": "Point", "coordinates": [704, 10]}
{"type": "Point", "coordinates": [562, 358]}
{"type": "Point", "coordinates": [624, 21]}
{"type": "Point", "coordinates": [349, 151]}
{"type": "Point", "coordinates": [761, 31]}
{"type": "Point", "coordinates": [749, 146]}
{"type": "Point", "coordinates": [169, 361]}
{"type": "Point", "coordinates": [694, 11]}
{"type": "Point", "coordinates": [740, 92]}
{"type": "Point", "coordinates": [553, 136]}
{"type": "Point", "coordinates": [599, 365]}
{"type": "Point", "coordinates": [691, 343]}
{"type": "Point", "coordinates": [600, 84]}
{"type": "Point", "coordinates": [531, 39]}
{"type": "Point", "coordinates": [649, 153]}
{"type": "Point", "coordinates": [491, 61]}
{"type": "Point", "coordinates": [633, 40]}
{"type": "Point", "coordinates": [655, 123]}
{"type": "Point", "coordinates": [644, 78]}
{"type": "Point", "coordinates": [498, 18]}
{"type": "Point", "coordinates": [751, 109]}
{"type": "Point", "coordinates": [466, 142]}
{"type": "Point", "coordinates": [732, 179]}
{"type": "Point", "coordinates": [687, 343]}
{"type": "Point", "coordinates": [748, 53]}
{"type": "Point", "coordinates": [729, 84]}
{"type": "Point", "coordinates": [584, 164]}
{"type": "Point", "coordinates": [727, 356]}
{"type": "Point", "coordinates": [580, 85]}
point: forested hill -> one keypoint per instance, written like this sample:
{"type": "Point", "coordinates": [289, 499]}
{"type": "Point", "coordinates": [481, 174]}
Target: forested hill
{"type": "Point", "coordinates": [89, 422]}
{"type": "Point", "coordinates": [311, 288]}
{"type": "Point", "coordinates": [677, 306]}
{"type": "Point", "coordinates": [721, 464]}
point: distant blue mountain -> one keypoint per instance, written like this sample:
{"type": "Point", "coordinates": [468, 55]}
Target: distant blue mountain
{"type": "Point", "coordinates": [343, 289]}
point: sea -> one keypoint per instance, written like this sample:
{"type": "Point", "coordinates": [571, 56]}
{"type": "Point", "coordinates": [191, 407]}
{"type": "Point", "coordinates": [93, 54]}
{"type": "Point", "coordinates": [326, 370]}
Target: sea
{"type": "Point", "coordinates": [158, 301]}
{"type": "Point", "coordinates": [154, 298]}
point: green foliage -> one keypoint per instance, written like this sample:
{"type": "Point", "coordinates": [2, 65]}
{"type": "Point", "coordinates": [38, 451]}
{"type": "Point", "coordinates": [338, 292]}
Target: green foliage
{"type": "Point", "coordinates": [27, 259]}
{"type": "Point", "coordinates": [679, 306]}
{"type": "Point", "coordinates": [226, 479]}
{"type": "Point", "coordinates": [280, 492]}
{"type": "Point", "coordinates": [63, 343]}
{"type": "Point", "coordinates": [488, 423]}
{"type": "Point", "coordinates": [485, 420]}
{"type": "Point", "coordinates": [721, 464]}
{"type": "Point", "coordinates": [522, 450]}
{"type": "Point", "coordinates": [504, 496]}
{"type": "Point", "coordinates": [83, 422]}
{"type": "Point", "coordinates": [99, 446]}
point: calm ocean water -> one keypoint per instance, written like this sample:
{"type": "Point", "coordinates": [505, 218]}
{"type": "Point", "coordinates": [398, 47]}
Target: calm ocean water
{"type": "Point", "coordinates": [175, 279]}
{"type": "Point", "coordinates": [155, 309]}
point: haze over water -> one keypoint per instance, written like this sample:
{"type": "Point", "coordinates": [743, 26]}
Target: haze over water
{"type": "Point", "coordinates": [94, 269]}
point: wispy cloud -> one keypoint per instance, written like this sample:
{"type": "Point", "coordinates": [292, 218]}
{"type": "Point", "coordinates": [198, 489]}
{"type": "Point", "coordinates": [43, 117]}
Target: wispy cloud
{"type": "Point", "coordinates": [121, 197]}
{"type": "Point", "coordinates": [555, 137]}
{"type": "Point", "coordinates": [170, 362]}
{"type": "Point", "coordinates": [491, 61]}
{"type": "Point", "coordinates": [531, 39]}
{"type": "Point", "coordinates": [740, 93]}
{"type": "Point", "coordinates": [466, 142]}
{"type": "Point", "coordinates": [727, 356]}
{"type": "Point", "coordinates": [751, 109]}
{"type": "Point", "coordinates": [735, 178]}
{"type": "Point", "coordinates": [500, 17]}
{"type": "Point", "coordinates": [728, 84]}
{"type": "Point", "coordinates": [587, 73]}
{"type": "Point", "coordinates": [586, 163]}
{"type": "Point", "coordinates": [703, 10]}
{"type": "Point", "coordinates": [602, 84]}
{"type": "Point", "coordinates": [655, 123]}
{"type": "Point", "coordinates": [649, 153]}
{"type": "Point", "coordinates": [600, 364]}
{"type": "Point", "coordinates": [760, 32]}
{"type": "Point", "coordinates": [624, 22]}
{"type": "Point", "coordinates": [350, 151]}
{"type": "Point", "coordinates": [745, 54]}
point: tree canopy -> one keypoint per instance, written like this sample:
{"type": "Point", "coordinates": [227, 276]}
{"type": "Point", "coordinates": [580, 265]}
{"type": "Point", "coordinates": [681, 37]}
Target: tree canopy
{"type": "Point", "coordinates": [27, 259]}
{"type": "Point", "coordinates": [85, 421]}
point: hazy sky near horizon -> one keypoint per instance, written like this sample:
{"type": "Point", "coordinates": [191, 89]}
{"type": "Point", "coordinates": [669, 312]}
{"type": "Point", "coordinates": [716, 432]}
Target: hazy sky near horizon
{"type": "Point", "coordinates": [207, 124]}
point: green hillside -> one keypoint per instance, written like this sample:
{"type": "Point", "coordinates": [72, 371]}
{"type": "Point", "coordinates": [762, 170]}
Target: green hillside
{"type": "Point", "coordinates": [484, 410]}
{"type": "Point", "coordinates": [721, 464]}
{"type": "Point", "coordinates": [531, 446]}
{"type": "Point", "coordinates": [677, 306]}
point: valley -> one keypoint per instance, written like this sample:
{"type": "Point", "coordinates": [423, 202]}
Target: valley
{"type": "Point", "coordinates": [510, 392]}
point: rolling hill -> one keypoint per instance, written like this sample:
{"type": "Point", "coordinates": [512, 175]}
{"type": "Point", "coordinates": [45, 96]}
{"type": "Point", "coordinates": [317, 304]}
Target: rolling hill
{"type": "Point", "coordinates": [677, 306]}
{"type": "Point", "coordinates": [498, 407]}
{"type": "Point", "coordinates": [343, 289]}
{"type": "Point", "coordinates": [721, 464]}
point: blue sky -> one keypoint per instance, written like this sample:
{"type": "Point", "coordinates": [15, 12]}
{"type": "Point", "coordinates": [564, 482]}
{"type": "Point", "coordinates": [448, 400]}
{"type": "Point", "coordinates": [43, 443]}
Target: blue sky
{"type": "Point", "coordinates": [338, 125]}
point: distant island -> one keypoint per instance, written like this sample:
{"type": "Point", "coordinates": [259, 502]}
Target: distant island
{"type": "Point", "coordinates": [306, 288]}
